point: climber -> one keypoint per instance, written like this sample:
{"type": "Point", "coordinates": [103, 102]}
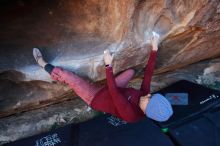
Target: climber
{"type": "Point", "coordinates": [115, 98]}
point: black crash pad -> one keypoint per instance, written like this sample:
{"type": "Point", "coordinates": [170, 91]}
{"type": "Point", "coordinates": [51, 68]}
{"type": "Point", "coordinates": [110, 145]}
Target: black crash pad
{"type": "Point", "coordinates": [200, 100]}
{"type": "Point", "coordinates": [203, 131]}
{"type": "Point", "coordinates": [105, 130]}
{"type": "Point", "coordinates": [198, 123]}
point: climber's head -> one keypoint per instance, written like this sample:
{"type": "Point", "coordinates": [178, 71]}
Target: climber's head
{"type": "Point", "coordinates": [156, 107]}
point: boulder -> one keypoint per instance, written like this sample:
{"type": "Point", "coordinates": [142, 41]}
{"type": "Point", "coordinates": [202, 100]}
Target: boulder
{"type": "Point", "coordinates": [74, 34]}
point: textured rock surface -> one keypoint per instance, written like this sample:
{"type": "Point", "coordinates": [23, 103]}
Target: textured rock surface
{"type": "Point", "coordinates": [25, 124]}
{"type": "Point", "coordinates": [74, 33]}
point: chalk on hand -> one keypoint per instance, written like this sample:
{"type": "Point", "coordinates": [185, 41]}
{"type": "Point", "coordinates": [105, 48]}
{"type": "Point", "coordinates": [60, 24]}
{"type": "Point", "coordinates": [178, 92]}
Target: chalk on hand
{"type": "Point", "coordinates": [156, 34]}
{"type": "Point", "coordinates": [106, 51]}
